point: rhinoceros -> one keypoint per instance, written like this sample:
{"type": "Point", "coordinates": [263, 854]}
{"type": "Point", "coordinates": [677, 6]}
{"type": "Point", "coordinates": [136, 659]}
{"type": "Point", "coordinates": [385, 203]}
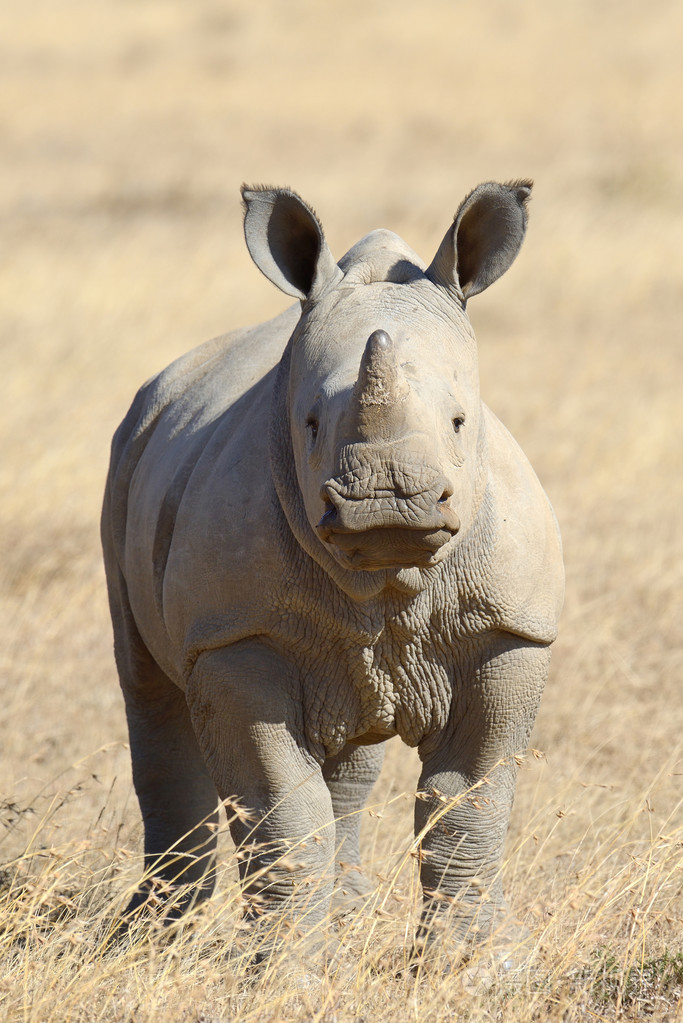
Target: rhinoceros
{"type": "Point", "coordinates": [318, 537]}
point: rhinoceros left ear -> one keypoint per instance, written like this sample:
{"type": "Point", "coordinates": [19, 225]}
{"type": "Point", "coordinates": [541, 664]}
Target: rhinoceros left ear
{"type": "Point", "coordinates": [286, 241]}
{"type": "Point", "coordinates": [484, 239]}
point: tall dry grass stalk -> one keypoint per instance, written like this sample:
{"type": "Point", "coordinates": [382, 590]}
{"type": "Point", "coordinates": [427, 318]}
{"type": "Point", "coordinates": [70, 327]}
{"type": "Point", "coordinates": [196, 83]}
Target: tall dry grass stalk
{"type": "Point", "coordinates": [600, 942]}
{"type": "Point", "coordinates": [126, 130]}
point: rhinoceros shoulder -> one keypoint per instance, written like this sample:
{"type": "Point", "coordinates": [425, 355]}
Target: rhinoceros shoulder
{"type": "Point", "coordinates": [206, 381]}
{"type": "Point", "coordinates": [523, 575]}
{"type": "Point", "coordinates": [174, 413]}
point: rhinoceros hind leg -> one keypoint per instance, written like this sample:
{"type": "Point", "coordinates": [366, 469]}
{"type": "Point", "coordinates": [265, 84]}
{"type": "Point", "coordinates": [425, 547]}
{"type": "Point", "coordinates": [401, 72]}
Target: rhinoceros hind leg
{"type": "Point", "coordinates": [177, 797]}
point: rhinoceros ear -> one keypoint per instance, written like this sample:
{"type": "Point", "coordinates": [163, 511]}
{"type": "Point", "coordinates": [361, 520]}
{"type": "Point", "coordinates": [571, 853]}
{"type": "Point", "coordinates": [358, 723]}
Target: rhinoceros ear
{"type": "Point", "coordinates": [484, 239]}
{"type": "Point", "coordinates": [286, 241]}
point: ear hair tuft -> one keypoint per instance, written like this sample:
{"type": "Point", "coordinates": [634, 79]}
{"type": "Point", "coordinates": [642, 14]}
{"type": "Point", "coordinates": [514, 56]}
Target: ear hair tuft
{"type": "Point", "coordinates": [523, 187]}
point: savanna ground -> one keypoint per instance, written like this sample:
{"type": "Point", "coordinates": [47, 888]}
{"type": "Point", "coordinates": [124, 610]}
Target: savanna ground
{"type": "Point", "coordinates": [126, 130]}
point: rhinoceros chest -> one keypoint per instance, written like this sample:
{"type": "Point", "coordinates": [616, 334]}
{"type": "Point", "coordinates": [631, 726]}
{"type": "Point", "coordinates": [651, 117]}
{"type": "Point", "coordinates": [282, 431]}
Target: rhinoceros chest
{"type": "Point", "coordinates": [371, 672]}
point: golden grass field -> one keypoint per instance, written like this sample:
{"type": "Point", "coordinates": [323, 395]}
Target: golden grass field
{"type": "Point", "coordinates": [126, 130]}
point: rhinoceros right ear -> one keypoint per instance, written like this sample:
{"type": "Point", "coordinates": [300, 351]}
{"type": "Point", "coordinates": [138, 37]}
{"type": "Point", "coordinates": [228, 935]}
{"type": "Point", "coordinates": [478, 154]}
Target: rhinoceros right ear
{"type": "Point", "coordinates": [286, 241]}
{"type": "Point", "coordinates": [484, 239]}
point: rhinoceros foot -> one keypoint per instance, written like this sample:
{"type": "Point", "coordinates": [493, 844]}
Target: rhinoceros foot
{"type": "Point", "coordinates": [501, 951]}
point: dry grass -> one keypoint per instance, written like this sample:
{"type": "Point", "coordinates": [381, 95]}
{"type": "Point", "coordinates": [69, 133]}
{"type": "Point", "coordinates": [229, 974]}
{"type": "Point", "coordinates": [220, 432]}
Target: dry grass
{"type": "Point", "coordinates": [126, 129]}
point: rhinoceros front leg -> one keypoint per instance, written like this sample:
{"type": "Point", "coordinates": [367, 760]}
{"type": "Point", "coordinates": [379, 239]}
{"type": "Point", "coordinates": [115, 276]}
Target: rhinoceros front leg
{"type": "Point", "coordinates": [248, 719]}
{"type": "Point", "coordinates": [350, 777]}
{"type": "Point", "coordinates": [467, 788]}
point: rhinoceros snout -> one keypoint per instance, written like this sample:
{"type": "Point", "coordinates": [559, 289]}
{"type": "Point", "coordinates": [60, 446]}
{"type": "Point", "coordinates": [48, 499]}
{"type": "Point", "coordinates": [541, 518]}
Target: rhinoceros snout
{"type": "Point", "coordinates": [381, 532]}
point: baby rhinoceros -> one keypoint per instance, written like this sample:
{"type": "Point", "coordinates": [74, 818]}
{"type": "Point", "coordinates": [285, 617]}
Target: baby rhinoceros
{"type": "Point", "coordinates": [318, 537]}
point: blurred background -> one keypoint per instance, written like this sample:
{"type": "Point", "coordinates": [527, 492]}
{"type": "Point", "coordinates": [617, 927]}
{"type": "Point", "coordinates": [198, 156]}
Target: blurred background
{"type": "Point", "coordinates": [126, 130]}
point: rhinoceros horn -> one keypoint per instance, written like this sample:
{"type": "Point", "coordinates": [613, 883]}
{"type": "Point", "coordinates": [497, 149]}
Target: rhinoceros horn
{"type": "Point", "coordinates": [380, 389]}
{"type": "Point", "coordinates": [380, 380]}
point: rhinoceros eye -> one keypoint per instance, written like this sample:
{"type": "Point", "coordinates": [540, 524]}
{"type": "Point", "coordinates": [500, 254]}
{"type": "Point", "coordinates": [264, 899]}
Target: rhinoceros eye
{"type": "Point", "coordinates": [458, 421]}
{"type": "Point", "coordinates": [312, 426]}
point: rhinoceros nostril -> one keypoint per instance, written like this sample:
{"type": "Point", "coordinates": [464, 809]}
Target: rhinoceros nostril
{"type": "Point", "coordinates": [451, 520]}
{"type": "Point", "coordinates": [328, 520]}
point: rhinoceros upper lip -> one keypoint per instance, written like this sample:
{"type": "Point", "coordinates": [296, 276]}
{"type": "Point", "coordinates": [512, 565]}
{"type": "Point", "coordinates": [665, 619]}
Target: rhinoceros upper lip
{"type": "Point", "coordinates": [442, 518]}
{"type": "Point", "coordinates": [427, 508]}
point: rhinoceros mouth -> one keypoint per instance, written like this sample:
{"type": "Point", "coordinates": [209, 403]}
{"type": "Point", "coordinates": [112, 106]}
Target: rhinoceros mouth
{"type": "Point", "coordinates": [387, 520]}
{"type": "Point", "coordinates": [370, 535]}
{"type": "Point", "coordinates": [391, 547]}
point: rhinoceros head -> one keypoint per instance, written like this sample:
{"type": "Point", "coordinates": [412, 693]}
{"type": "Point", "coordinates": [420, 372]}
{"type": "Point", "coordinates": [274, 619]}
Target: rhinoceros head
{"type": "Point", "coordinates": [384, 408]}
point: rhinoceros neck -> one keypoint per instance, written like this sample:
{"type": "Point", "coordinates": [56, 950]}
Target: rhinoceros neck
{"type": "Point", "coordinates": [359, 585]}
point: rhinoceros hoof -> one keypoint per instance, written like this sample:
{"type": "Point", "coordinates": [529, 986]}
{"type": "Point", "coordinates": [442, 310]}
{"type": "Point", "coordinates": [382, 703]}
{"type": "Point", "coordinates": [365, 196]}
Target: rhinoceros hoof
{"type": "Point", "coordinates": [504, 956]}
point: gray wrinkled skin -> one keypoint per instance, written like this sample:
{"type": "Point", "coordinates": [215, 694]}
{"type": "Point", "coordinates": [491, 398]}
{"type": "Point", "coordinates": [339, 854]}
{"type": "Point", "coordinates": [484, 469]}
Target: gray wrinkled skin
{"type": "Point", "coordinates": [317, 537]}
